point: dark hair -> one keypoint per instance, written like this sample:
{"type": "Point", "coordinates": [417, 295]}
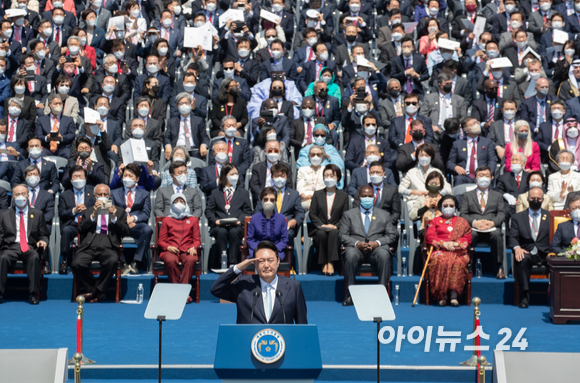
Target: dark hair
{"type": "Point", "coordinates": [75, 32]}
{"type": "Point", "coordinates": [76, 168]}
{"type": "Point", "coordinates": [446, 197]}
{"type": "Point", "coordinates": [394, 11]}
{"type": "Point", "coordinates": [335, 169]}
{"type": "Point", "coordinates": [62, 79]}
{"type": "Point", "coordinates": [84, 140]}
{"type": "Point", "coordinates": [133, 168]}
{"type": "Point", "coordinates": [466, 120]}
{"type": "Point", "coordinates": [87, 12]}
{"type": "Point", "coordinates": [451, 125]}
{"type": "Point", "coordinates": [141, 99]}
{"type": "Point", "coordinates": [145, 91]}
{"type": "Point", "coordinates": [408, 38]}
{"type": "Point", "coordinates": [427, 149]}
{"type": "Point", "coordinates": [558, 14]}
{"type": "Point", "coordinates": [450, 64]}
{"type": "Point", "coordinates": [510, 101]}
{"type": "Point", "coordinates": [534, 173]}
{"type": "Point", "coordinates": [243, 40]}
{"type": "Point", "coordinates": [266, 245]}
{"type": "Point", "coordinates": [4, 122]}
{"type": "Point", "coordinates": [222, 95]}
{"type": "Point", "coordinates": [428, 21]}
{"type": "Point", "coordinates": [306, 31]}
{"type": "Point", "coordinates": [15, 80]}
{"type": "Point", "coordinates": [377, 163]}
{"type": "Point", "coordinates": [24, 57]}
{"type": "Point", "coordinates": [574, 198]}
{"type": "Point", "coordinates": [417, 122]}
{"type": "Point", "coordinates": [155, 48]}
{"type": "Point", "coordinates": [558, 102]}
{"type": "Point", "coordinates": [31, 168]}
{"type": "Point", "coordinates": [483, 168]}
{"type": "Point", "coordinates": [409, 96]}
{"type": "Point", "coordinates": [437, 175]}
{"type": "Point", "coordinates": [283, 89]}
{"type": "Point", "coordinates": [175, 165]}
{"type": "Point", "coordinates": [279, 168]}
{"type": "Point", "coordinates": [268, 191]}
{"type": "Point", "coordinates": [367, 116]}
{"type": "Point", "coordinates": [34, 43]}
{"type": "Point", "coordinates": [130, 4]}
{"type": "Point", "coordinates": [223, 180]}
{"type": "Point", "coordinates": [263, 136]}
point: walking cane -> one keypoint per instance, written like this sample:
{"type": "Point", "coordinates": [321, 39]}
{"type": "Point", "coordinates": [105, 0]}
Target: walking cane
{"type": "Point", "coordinates": [422, 276]}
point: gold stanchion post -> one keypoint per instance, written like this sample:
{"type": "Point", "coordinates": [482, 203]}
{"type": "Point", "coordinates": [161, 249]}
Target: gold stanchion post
{"type": "Point", "coordinates": [77, 358]}
{"type": "Point", "coordinates": [482, 360]}
{"type": "Point", "coordinates": [80, 310]}
{"type": "Point", "coordinates": [472, 361]}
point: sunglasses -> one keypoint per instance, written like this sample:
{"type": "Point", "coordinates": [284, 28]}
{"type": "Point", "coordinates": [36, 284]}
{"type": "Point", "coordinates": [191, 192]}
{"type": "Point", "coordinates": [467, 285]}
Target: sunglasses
{"type": "Point", "coordinates": [411, 103]}
{"type": "Point", "coordinates": [319, 135]}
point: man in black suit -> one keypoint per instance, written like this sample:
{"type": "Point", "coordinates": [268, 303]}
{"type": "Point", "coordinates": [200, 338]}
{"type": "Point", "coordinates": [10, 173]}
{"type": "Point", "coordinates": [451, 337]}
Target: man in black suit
{"type": "Point", "coordinates": [327, 106]}
{"type": "Point", "coordinates": [301, 129]}
{"type": "Point", "coordinates": [85, 158]}
{"type": "Point", "coordinates": [63, 21]}
{"type": "Point", "coordinates": [410, 68]}
{"type": "Point", "coordinates": [368, 233]}
{"type": "Point", "coordinates": [72, 203]}
{"type": "Point", "coordinates": [529, 239]}
{"type": "Point", "coordinates": [311, 69]}
{"type": "Point", "coordinates": [20, 130]}
{"type": "Point", "coordinates": [269, 109]}
{"type": "Point", "coordinates": [279, 61]}
{"type": "Point", "coordinates": [452, 128]}
{"type": "Point", "coordinates": [48, 173]}
{"type": "Point", "coordinates": [45, 35]}
{"type": "Point", "coordinates": [190, 86]}
{"type": "Point", "coordinates": [101, 235]}
{"type": "Point", "coordinates": [501, 132]}
{"type": "Point", "coordinates": [487, 109]}
{"type": "Point", "coordinates": [4, 202]}
{"type": "Point", "coordinates": [407, 155]}
{"type": "Point", "coordinates": [116, 107]}
{"type": "Point", "coordinates": [288, 200]}
{"type": "Point", "coordinates": [532, 107]}
{"type": "Point", "coordinates": [44, 65]}
{"type": "Point", "coordinates": [553, 128]}
{"type": "Point", "coordinates": [265, 297]}
{"type": "Point", "coordinates": [512, 184]}
{"type": "Point", "coordinates": [237, 149]}
{"type": "Point", "coordinates": [262, 174]}
{"type": "Point", "coordinates": [22, 232]}
{"type": "Point", "coordinates": [99, 139]}
{"type": "Point", "coordinates": [568, 230]}
{"type": "Point", "coordinates": [246, 68]}
{"type": "Point", "coordinates": [463, 160]}
{"type": "Point", "coordinates": [386, 195]}
{"type": "Point", "coordinates": [355, 157]}
{"type": "Point", "coordinates": [186, 130]}
{"type": "Point", "coordinates": [209, 175]}
{"type": "Point", "coordinates": [483, 208]}
{"type": "Point", "coordinates": [121, 84]}
{"type": "Point", "coordinates": [499, 21]}
{"type": "Point", "coordinates": [79, 71]}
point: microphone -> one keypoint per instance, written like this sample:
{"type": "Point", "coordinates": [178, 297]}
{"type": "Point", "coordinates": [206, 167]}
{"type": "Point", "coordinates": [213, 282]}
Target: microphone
{"type": "Point", "coordinates": [256, 294]}
{"type": "Point", "coordinates": [279, 296]}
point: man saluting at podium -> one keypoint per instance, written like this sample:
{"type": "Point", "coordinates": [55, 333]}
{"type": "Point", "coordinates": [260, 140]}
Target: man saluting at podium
{"type": "Point", "coordinates": [266, 297]}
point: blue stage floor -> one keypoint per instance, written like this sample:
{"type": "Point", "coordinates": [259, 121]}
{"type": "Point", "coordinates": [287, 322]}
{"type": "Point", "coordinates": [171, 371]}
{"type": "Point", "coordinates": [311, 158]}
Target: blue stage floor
{"type": "Point", "coordinates": [117, 335]}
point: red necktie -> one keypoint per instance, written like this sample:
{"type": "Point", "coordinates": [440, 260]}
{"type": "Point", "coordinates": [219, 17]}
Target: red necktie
{"type": "Point", "coordinates": [309, 132]}
{"type": "Point", "coordinates": [490, 111]}
{"type": "Point", "coordinates": [12, 130]}
{"type": "Point", "coordinates": [408, 137]}
{"type": "Point", "coordinates": [58, 35]}
{"type": "Point", "coordinates": [498, 90]}
{"type": "Point", "coordinates": [129, 200]}
{"type": "Point", "coordinates": [557, 132]}
{"type": "Point", "coordinates": [17, 34]}
{"type": "Point", "coordinates": [230, 150]}
{"type": "Point", "coordinates": [38, 68]}
{"type": "Point", "coordinates": [31, 86]}
{"type": "Point", "coordinates": [23, 241]}
{"type": "Point", "coordinates": [518, 180]}
{"type": "Point", "coordinates": [119, 69]}
{"type": "Point", "coordinates": [511, 131]}
{"type": "Point", "coordinates": [311, 54]}
{"type": "Point", "coordinates": [210, 17]}
{"type": "Point", "coordinates": [472, 161]}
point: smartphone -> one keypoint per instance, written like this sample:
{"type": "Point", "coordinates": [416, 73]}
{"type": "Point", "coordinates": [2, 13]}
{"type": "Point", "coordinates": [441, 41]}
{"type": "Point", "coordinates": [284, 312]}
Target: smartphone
{"type": "Point", "coordinates": [104, 209]}
{"type": "Point", "coordinates": [240, 25]}
{"type": "Point", "coordinates": [123, 63]}
{"type": "Point", "coordinates": [30, 75]}
{"type": "Point", "coordinates": [268, 116]}
{"type": "Point", "coordinates": [53, 134]}
{"type": "Point", "coordinates": [361, 95]}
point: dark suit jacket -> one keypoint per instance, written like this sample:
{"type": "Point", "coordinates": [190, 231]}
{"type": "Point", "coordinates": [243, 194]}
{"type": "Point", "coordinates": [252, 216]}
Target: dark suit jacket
{"type": "Point", "coordinates": [398, 71]}
{"type": "Point", "coordinates": [45, 203]}
{"type": "Point", "coordinates": [507, 183]}
{"type": "Point", "coordinates": [117, 109]}
{"type": "Point", "coordinates": [240, 289]}
{"type": "Point", "coordinates": [529, 110]}
{"type": "Point", "coordinates": [298, 130]}
{"type": "Point", "coordinates": [288, 66]}
{"type": "Point", "coordinates": [96, 176]}
{"type": "Point", "coordinates": [242, 154]}
{"type": "Point", "coordinates": [67, 129]}
{"type": "Point", "coordinates": [122, 87]}
{"type": "Point", "coordinates": [88, 228]}
{"type": "Point", "coordinates": [494, 208]}
{"type": "Point", "coordinates": [308, 74]}
{"type": "Point", "coordinates": [3, 199]}
{"type": "Point", "coordinates": [355, 154]}
{"type": "Point", "coordinates": [141, 205]}
{"type": "Point", "coordinates": [48, 175]}
{"type": "Point", "coordinates": [520, 233]}
{"type": "Point", "coordinates": [66, 204]}
{"type": "Point", "coordinates": [359, 177]}
{"type": "Point", "coordinates": [208, 178]}
{"type": "Point", "coordinates": [282, 127]}
{"type": "Point", "coordinates": [197, 131]}
{"type": "Point", "coordinates": [398, 131]}
{"type": "Point", "coordinates": [36, 228]}
{"type": "Point", "coordinates": [200, 101]}
{"type": "Point", "coordinates": [101, 147]}
{"type": "Point", "coordinates": [291, 207]}
{"type": "Point", "coordinates": [479, 109]}
{"type": "Point", "coordinates": [164, 87]}
{"type": "Point", "coordinates": [496, 132]}
{"type": "Point", "coordinates": [390, 201]}
{"type": "Point", "coordinates": [240, 206]}
{"type": "Point", "coordinates": [331, 111]}
{"type": "Point", "coordinates": [259, 175]}
{"type": "Point", "coordinates": [114, 133]}
{"type": "Point", "coordinates": [250, 71]}
{"type": "Point", "coordinates": [405, 162]}
{"type": "Point", "coordinates": [485, 154]}
{"type": "Point", "coordinates": [544, 135]}
{"type": "Point", "coordinates": [563, 236]}
{"type": "Point", "coordinates": [24, 128]}
{"type": "Point", "coordinates": [245, 92]}
{"type": "Point", "coordinates": [319, 210]}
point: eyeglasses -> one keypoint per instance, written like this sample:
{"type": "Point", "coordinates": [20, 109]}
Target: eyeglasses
{"type": "Point", "coordinates": [411, 103]}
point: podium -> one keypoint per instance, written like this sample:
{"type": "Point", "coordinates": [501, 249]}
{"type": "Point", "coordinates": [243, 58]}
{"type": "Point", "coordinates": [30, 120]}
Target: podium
{"type": "Point", "coordinates": [246, 353]}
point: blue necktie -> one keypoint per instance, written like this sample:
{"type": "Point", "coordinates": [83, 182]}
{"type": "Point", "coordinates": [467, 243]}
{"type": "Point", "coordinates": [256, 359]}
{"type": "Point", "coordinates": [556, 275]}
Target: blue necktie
{"type": "Point", "coordinates": [367, 221]}
{"type": "Point", "coordinates": [542, 109]}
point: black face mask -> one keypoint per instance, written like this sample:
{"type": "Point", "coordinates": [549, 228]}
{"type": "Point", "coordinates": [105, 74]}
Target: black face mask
{"type": "Point", "coordinates": [84, 155]}
{"type": "Point", "coordinates": [394, 93]}
{"type": "Point", "coordinates": [234, 91]}
{"type": "Point", "coordinates": [492, 94]}
{"type": "Point", "coordinates": [447, 88]}
{"type": "Point", "coordinates": [535, 204]}
{"type": "Point", "coordinates": [322, 93]}
{"type": "Point", "coordinates": [351, 38]}
{"type": "Point", "coordinates": [417, 135]}
{"type": "Point", "coordinates": [155, 89]}
{"type": "Point", "coordinates": [277, 92]}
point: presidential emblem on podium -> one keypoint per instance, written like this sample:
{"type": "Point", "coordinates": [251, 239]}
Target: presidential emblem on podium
{"type": "Point", "coordinates": [268, 346]}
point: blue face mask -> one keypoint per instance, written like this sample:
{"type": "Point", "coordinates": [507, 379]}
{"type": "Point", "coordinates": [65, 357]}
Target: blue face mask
{"type": "Point", "coordinates": [454, 136]}
{"type": "Point", "coordinates": [367, 202]}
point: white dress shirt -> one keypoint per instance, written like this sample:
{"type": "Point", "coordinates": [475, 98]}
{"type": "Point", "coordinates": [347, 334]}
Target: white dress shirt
{"type": "Point", "coordinates": [182, 137]}
{"type": "Point", "coordinates": [445, 108]}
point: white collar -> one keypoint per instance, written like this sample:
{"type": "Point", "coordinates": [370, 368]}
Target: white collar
{"type": "Point", "coordinates": [274, 283]}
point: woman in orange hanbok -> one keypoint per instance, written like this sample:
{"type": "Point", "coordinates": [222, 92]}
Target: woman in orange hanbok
{"type": "Point", "coordinates": [450, 237]}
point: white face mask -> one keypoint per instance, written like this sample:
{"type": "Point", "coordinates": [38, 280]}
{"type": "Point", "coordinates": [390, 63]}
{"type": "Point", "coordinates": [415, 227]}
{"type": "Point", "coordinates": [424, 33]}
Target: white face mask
{"type": "Point", "coordinates": [363, 73]}
{"type": "Point", "coordinates": [138, 133]}
{"type": "Point", "coordinates": [233, 180]}
{"type": "Point", "coordinates": [32, 181]}
{"type": "Point", "coordinates": [432, 29]}
{"type": "Point", "coordinates": [557, 114]}
{"type": "Point", "coordinates": [535, 75]}
{"type": "Point", "coordinates": [307, 113]}
{"type": "Point", "coordinates": [509, 114]}
{"type": "Point", "coordinates": [271, 137]}
{"type": "Point", "coordinates": [557, 25]}
{"type": "Point", "coordinates": [497, 74]}
{"type": "Point", "coordinates": [277, 55]}
{"type": "Point", "coordinates": [268, 206]}
{"type": "Point", "coordinates": [128, 182]}
{"type": "Point", "coordinates": [14, 111]}
{"type": "Point", "coordinates": [63, 89]}
{"type": "Point", "coordinates": [433, 11]}
{"type": "Point", "coordinates": [79, 184]}
{"type": "Point", "coordinates": [21, 201]}
{"type": "Point", "coordinates": [198, 24]}
{"type": "Point", "coordinates": [119, 55]}
{"type": "Point", "coordinates": [362, 108]}
{"type": "Point", "coordinates": [575, 215]}
{"type": "Point", "coordinates": [330, 182]}
{"type": "Point", "coordinates": [565, 165]}
{"type": "Point", "coordinates": [516, 168]}
{"type": "Point", "coordinates": [277, 7]}
{"type": "Point", "coordinates": [510, 8]}
{"type": "Point", "coordinates": [411, 109]}
{"type": "Point", "coordinates": [143, 112]}
{"type": "Point", "coordinates": [177, 10]}
{"type": "Point", "coordinates": [74, 50]}
{"type": "Point", "coordinates": [178, 207]}
{"type": "Point", "coordinates": [279, 182]}
{"type": "Point", "coordinates": [354, 8]}
{"type": "Point", "coordinates": [315, 161]}
{"type": "Point", "coordinates": [492, 54]}
{"type": "Point", "coordinates": [189, 87]}
{"type": "Point", "coordinates": [103, 199]}
{"type": "Point", "coordinates": [47, 31]}
{"type": "Point", "coordinates": [231, 131]}
{"type": "Point", "coordinates": [372, 158]}
{"type": "Point", "coordinates": [2, 137]}
{"type": "Point", "coordinates": [163, 51]}
{"type": "Point", "coordinates": [103, 110]}
{"type": "Point", "coordinates": [91, 22]}
{"type": "Point", "coordinates": [184, 109]}
{"type": "Point", "coordinates": [221, 157]}
{"type": "Point", "coordinates": [95, 130]}
{"type": "Point", "coordinates": [448, 211]}
{"type": "Point", "coordinates": [166, 22]}
{"type": "Point", "coordinates": [424, 161]}
{"type": "Point", "coordinates": [545, 7]}
{"type": "Point", "coordinates": [35, 152]}
{"type": "Point", "coordinates": [376, 179]}
{"type": "Point", "coordinates": [397, 36]}
{"type": "Point", "coordinates": [370, 130]}
{"type": "Point", "coordinates": [323, 56]}
{"type": "Point", "coordinates": [570, 52]}
{"type": "Point", "coordinates": [40, 54]}
{"type": "Point", "coordinates": [273, 157]}
{"type": "Point", "coordinates": [152, 69]}
{"type": "Point", "coordinates": [311, 41]}
{"type": "Point", "coordinates": [515, 24]}
{"type": "Point", "coordinates": [181, 179]}
{"type": "Point", "coordinates": [58, 20]}
{"type": "Point", "coordinates": [210, 7]}
{"type": "Point", "coordinates": [243, 53]}
{"type": "Point", "coordinates": [319, 141]}
{"type": "Point", "coordinates": [483, 182]}
{"type": "Point", "coordinates": [572, 132]}
{"type": "Point", "coordinates": [534, 184]}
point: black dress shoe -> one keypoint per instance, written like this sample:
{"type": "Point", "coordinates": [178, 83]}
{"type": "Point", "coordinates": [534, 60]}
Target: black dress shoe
{"type": "Point", "coordinates": [47, 270]}
{"type": "Point", "coordinates": [347, 301]}
{"type": "Point", "coordinates": [524, 304]}
{"type": "Point", "coordinates": [88, 296]}
{"type": "Point", "coordinates": [63, 268]}
{"type": "Point", "coordinates": [1, 300]}
{"type": "Point", "coordinates": [454, 303]}
{"type": "Point", "coordinates": [33, 300]}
